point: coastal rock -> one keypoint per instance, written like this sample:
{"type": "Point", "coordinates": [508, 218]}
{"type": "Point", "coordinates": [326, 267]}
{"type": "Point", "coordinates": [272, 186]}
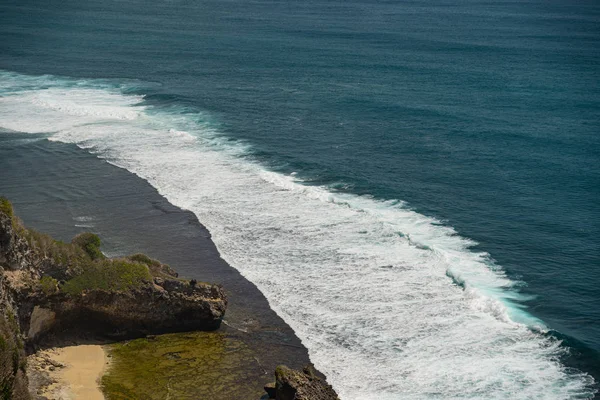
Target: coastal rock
{"type": "Point", "coordinates": [61, 287]}
{"type": "Point", "coordinates": [299, 385]}
{"type": "Point", "coordinates": [142, 311]}
{"type": "Point", "coordinates": [15, 253]}
{"type": "Point", "coordinates": [50, 288]}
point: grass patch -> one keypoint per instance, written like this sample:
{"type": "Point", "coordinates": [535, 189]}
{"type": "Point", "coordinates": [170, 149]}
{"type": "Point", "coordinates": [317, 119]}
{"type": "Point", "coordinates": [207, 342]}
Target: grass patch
{"type": "Point", "coordinates": [116, 275]}
{"type": "Point", "coordinates": [197, 365]}
{"type": "Point", "coordinates": [144, 259]}
{"type": "Point", "coordinates": [157, 268]}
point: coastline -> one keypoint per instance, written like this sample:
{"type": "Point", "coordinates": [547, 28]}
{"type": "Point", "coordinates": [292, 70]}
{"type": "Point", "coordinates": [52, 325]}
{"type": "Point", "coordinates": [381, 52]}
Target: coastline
{"type": "Point", "coordinates": [63, 190]}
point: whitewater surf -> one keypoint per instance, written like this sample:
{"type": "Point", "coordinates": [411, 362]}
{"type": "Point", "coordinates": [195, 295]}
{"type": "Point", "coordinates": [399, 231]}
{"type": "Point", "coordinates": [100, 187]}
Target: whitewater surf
{"type": "Point", "coordinates": [390, 303]}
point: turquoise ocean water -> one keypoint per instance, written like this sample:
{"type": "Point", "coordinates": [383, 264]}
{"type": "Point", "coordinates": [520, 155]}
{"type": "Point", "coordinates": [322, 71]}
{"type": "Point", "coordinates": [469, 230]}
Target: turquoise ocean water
{"type": "Point", "coordinates": [414, 185]}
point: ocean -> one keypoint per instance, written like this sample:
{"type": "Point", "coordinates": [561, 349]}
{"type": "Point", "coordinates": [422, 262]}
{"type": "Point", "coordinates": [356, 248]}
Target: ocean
{"type": "Point", "coordinates": [414, 186]}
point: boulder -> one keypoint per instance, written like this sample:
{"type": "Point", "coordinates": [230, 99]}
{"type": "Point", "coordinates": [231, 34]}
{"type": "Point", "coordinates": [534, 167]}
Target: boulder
{"type": "Point", "coordinates": [301, 385]}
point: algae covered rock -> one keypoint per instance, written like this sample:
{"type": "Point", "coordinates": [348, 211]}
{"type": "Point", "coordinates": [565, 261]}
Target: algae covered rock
{"type": "Point", "coordinates": [291, 384]}
{"type": "Point", "coordinates": [183, 366]}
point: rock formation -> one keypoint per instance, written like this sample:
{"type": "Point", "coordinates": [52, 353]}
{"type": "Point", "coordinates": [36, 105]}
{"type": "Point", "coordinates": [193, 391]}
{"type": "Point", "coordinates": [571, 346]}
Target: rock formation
{"type": "Point", "coordinates": [49, 288]}
{"type": "Point", "coordinates": [299, 385]}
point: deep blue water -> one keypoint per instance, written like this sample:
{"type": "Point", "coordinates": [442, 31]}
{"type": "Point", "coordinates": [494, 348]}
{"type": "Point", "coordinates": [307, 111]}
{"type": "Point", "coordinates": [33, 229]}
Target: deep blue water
{"type": "Point", "coordinates": [484, 115]}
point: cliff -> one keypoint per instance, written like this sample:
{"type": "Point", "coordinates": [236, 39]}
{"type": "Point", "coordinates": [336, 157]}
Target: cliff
{"type": "Point", "coordinates": [49, 288]}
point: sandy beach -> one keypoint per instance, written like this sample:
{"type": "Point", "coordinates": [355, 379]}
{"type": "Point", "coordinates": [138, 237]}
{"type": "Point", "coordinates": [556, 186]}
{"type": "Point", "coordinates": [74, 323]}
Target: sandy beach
{"type": "Point", "coordinates": [71, 373]}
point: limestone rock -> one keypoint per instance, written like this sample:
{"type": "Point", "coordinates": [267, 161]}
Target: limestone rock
{"type": "Point", "coordinates": [41, 321]}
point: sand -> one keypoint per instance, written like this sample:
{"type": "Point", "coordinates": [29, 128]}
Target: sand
{"type": "Point", "coordinates": [74, 371]}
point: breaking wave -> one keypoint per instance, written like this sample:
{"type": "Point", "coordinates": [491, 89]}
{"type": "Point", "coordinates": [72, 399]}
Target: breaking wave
{"type": "Point", "coordinates": [391, 304]}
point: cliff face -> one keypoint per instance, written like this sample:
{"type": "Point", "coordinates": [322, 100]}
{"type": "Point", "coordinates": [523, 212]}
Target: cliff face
{"type": "Point", "coordinates": [48, 288]}
{"type": "Point", "coordinates": [153, 308]}
{"type": "Point", "coordinates": [13, 380]}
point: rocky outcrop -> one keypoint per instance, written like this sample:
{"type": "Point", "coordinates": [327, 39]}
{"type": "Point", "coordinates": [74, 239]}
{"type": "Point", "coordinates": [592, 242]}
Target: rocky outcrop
{"type": "Point", "coordinates": [151, 309]}
{"type": "Point", "coordinates": [41, 321]}
{"type": "Point", "coordinates": [299, 385]}
{"type": "Point", "coordinates": [49, 288]}
{"type": "Point", "coordinates": [63, 287]}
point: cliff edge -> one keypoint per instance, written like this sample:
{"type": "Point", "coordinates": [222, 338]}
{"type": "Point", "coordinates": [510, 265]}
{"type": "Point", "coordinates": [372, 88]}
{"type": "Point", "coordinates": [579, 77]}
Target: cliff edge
{"type": "Point", "coordinates": [49, 288]}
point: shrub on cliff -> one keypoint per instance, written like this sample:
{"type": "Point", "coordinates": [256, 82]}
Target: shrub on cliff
{"type": "Point", "coordinates": [156, 267]}
{"type": "Point", "coordinates": [6, 207]}
{"type": "Point", "coordinates": [90, 243]}
{"type": "Point", "coordinates": [64, 254]}
{"type": "Point", "coordinates": [144, 259]}
{"type": "Point", "coordinates": [112, 275]}
{"type": "Point", "coordinates": [48, 284]}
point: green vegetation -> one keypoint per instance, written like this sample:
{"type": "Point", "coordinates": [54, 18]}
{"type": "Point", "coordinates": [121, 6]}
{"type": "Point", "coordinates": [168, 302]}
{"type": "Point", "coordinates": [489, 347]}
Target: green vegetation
{"type": "Point", "coordinates": [197, 365]}
{"type": "Point", "coordinates": [62, 253]}
{"type": "Point", "coordinates": [84, 263]}
{"type": "Point", "coordinates": [49, 285]}
{"type": "Point", "coordinates": [144, 259]}
{"type": "Point", "coordinates": [6, 390]}
{"type": "Point", "coordinates": [157, 268]}
{"type": "Point", "coordinates": [12, 322]}
{"type": "Point", "coordinates": [6, 207]}
{"type": "Point", "coordinates": [109, 275]}
{"type": "Point", "coordinates": [90, 243]}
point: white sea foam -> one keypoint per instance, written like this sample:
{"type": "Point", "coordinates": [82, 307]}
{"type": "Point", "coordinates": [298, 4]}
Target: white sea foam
{"type": "Point", "coordinates": [390, 303]}
{"type": "Point", "coordinates": [84, 221]}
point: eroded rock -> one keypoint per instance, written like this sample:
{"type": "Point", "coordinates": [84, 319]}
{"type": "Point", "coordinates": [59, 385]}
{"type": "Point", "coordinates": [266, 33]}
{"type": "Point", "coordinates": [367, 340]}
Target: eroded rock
{"type": "Point", "coordinates": [41, 320]}
{"type": "Point", "coordinates": [299, 385]}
